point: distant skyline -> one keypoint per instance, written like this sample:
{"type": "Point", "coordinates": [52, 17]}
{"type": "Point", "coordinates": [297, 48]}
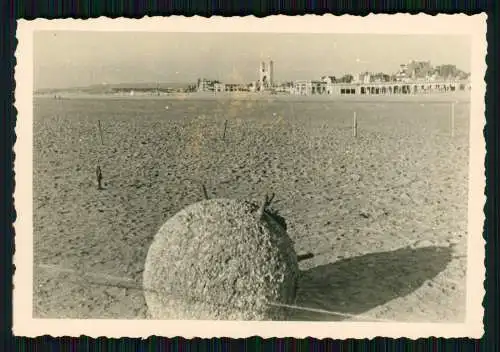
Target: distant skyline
{"type": "Point", "coordinates": [71, 59]}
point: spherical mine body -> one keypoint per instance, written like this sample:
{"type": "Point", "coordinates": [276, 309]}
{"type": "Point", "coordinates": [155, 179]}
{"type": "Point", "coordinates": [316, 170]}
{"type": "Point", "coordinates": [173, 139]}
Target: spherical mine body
{"type": "Point", "coordinates": [218, 259]}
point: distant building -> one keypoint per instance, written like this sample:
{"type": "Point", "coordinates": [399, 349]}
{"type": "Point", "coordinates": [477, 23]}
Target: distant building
{"type": "Point", "coordinates": [402, 73]}
{"type": "Point", "coordinates": [206, 85]}
{"type": "Point", "coordinates": [308, 87]}
{"type": "Point", "coordinates": [418, 70]}
{"type": "Point", "coordinates": [266, 76]}
{"type": "Point", "coordinates": [411, 78]}
{"type": "Point", "coordinates": [235, 87]}
{"type": "Point", "coordinates": [219, 87]}
{"type": "Point", "coordinates": [414, 70]}
{"type": "Point", "coordinates": [318, 87]}
{"type": "Point", "coordinates": [367, 77]}
{"type": "Point", "coordinates": [301, 87]}
{"type": "Point", "coordinates": [329, 79]}
{"type": "Point", "coordinates": [362, 77]}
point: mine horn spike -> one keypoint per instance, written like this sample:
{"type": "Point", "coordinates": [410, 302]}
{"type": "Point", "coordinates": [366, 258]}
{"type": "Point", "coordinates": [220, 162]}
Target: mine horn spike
{"type": "Point", "coordinates": [205, 193]}
{"type": "Point", "coordinates": [270, 199]}
{"type": "Point", "coordinates": [262, 208]}
{"type": "Point", "coordinates": [305, 256]}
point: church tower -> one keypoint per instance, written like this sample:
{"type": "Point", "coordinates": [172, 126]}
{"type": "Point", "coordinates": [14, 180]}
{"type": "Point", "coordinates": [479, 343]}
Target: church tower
{"type": "Point", "coordinates": [266, 75]}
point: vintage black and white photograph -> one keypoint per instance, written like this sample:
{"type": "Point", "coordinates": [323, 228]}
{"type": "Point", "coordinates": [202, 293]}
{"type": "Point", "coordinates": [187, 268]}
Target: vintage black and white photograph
{"type": "Point", "coordinates": [252, 175]}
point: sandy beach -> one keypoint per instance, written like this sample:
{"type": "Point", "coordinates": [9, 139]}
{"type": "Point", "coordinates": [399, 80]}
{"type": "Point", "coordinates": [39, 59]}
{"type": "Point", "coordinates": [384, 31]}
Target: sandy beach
{"type": "Point", "coordinates": [385, 212]}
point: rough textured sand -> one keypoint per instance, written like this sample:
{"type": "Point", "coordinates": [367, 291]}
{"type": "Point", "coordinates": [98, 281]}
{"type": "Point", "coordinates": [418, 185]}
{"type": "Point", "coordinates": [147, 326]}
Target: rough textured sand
{"type": "Point", "coordinates": [385, 213]}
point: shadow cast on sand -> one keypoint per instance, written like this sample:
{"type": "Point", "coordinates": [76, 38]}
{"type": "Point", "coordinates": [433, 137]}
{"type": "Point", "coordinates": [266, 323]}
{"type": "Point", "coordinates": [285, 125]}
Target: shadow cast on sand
{"type": "Point", "coordinates": [355, 285]}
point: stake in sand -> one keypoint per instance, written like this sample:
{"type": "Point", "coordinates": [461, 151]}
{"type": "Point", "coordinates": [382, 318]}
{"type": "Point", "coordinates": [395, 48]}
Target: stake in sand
{"type": "Point", "coordinates": [98, 168]}
{"type": "Point", "coordinates": [225, 127]}
{"type": "Point", "coordinates": [98, 173]}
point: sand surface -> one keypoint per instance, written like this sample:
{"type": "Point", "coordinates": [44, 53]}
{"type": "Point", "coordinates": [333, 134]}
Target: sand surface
{"type": "Point", "coordinates": [385, 213]}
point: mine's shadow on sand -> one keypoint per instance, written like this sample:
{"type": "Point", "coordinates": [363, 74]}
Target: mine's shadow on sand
{"type": "Point", "coordinates": [356, 285]}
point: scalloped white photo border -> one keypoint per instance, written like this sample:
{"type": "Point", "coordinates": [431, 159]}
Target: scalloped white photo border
{"type": "Point", "coordinates": [25, 325]}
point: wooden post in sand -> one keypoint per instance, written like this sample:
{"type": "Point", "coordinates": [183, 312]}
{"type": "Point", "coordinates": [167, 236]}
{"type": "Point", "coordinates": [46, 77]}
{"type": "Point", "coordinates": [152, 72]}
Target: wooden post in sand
{"type": "Point", "coordinates": [225, 127]}
{"type": "Point", "coordinates": [453, 119]}
{"type": "Point", "coordinates": [354, 125]}
{"type": "Point", "coordinates": [99, 176]}
{"type": "Point", "coordinates": [98, 168]}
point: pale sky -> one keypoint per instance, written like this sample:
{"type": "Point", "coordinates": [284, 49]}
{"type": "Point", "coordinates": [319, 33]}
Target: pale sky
{"type": "Point", "coordinates": [69, 59]}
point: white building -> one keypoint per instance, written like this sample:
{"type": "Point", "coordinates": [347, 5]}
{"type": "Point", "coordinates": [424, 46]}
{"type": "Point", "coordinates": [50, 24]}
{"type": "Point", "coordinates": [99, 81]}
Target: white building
{"type": "Point", "coordinates": [219, 87]}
